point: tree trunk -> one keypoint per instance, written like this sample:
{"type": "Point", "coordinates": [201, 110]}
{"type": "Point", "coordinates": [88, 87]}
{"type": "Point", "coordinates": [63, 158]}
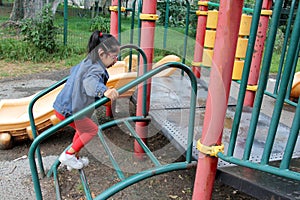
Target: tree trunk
{"type": "Point", "coordinates": [17, 11]}
{"type": "Point", "coordinates": [1, 3]}
{"type": "Point", "coordinates": [24, 9]}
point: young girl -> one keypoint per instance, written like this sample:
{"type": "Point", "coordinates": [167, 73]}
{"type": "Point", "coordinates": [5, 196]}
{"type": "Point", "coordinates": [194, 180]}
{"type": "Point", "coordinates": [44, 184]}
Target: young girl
{"type": "Point", "coordinates": [87, 83]}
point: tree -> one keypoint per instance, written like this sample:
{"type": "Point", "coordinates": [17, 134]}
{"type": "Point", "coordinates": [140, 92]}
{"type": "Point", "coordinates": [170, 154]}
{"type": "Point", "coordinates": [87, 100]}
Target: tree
{"type": "Point", "coordinates": [25, 9]}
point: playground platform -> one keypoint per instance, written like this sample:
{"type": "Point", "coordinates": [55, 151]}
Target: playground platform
{"type": "Point", "coordinates": [169, 108]}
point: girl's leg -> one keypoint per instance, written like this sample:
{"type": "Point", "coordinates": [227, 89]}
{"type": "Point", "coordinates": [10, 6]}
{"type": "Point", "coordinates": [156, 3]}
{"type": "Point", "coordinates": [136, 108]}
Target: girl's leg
{"type": "Point", "coordinates": [75, 137]}
{"type": "Point", "coordinates": [68, 158]}
{"type": "Point", "coordinates": [86, 129]}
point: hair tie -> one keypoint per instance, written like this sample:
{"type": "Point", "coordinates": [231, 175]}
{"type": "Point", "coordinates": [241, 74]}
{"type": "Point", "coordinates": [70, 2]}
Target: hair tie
{"type": "Point", "coordinates": [100, 34]}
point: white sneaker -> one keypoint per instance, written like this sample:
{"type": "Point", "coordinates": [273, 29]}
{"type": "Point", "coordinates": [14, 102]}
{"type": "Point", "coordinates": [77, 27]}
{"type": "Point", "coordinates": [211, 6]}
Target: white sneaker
{"type": "Point", "coordinates": [70, 161]}
{"type": "Point", "coordinates": [83, 160]}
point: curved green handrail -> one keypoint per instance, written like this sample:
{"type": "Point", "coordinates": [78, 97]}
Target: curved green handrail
{"type": "Point", "coordinates": [102, 101]}
{"type": "Point", "coordinates": [59, 83]}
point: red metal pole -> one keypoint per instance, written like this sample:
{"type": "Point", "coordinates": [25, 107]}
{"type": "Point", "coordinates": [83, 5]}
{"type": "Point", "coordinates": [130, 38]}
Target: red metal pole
{"type": "Point", "coordinates": [114, 19]}
{"type": "Point", "coordinates": [258, 53]}
{"type": "Point", "coordinates": [114, 32]}
{"type": "Point", "coordinates": [200, 36]}
{"type": "Point", "coordinates": [147, 44]}
{"type": "Point", "coordinates": [230, 12]}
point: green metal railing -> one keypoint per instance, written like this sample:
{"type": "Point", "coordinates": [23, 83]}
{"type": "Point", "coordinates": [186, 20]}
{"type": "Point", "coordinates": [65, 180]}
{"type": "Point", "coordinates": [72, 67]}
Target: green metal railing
{"type": "Point", "coordinates": [137, 177]}
{"type": "Point", "coordinates": [61, 82]}
{"type": "Point", "coordinates": [283, 170]}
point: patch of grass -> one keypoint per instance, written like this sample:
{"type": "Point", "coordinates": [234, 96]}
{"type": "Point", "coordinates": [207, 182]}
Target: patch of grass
{"type": "Point", "coordinates": [276, 63]}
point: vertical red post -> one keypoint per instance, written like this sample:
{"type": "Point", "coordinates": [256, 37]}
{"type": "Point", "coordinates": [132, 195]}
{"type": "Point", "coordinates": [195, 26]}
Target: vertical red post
{"type": "Point", "coordinates": [114, 32]}
{"type": "Point", "coordinates": [200, 36]}
{"type": "Point", "coordinates": [147, 44]}
{"type": "Point", "coordinates": [229, 18]}
{"type": "Point", "coordinates": [114, 19]}
{"type": "Point", "coordinates": [258, 53]}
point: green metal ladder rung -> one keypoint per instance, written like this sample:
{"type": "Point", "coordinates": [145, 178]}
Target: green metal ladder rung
{"type": "Point", "coordinates": [111, 157]}
{"type": "Point", "coordinates": [143, 145]}
{"type": "Point", "coordinates": [144, 175]}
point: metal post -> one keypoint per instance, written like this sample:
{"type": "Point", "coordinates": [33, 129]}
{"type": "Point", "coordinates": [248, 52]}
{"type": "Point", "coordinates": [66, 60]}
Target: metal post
{"type": "Point", "coordinates": [200, 36]}
{"type": "Point", "coordinates": [147, 44]}
{"type": "Point", "coordinates": [258, 52]}
{"type": "Point", "coordinates": [65, 22]}
{"type": "Point", "coordinates": [218, 92]}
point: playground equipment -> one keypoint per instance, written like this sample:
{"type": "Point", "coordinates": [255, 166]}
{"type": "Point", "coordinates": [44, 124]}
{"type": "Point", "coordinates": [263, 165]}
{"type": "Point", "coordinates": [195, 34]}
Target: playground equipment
{"type": "Point", "coordinates": [14, 120]}
{"type": "Point", "coordinates": [295, 92]}
{"type": "Point", "coordinates": [209, 146]}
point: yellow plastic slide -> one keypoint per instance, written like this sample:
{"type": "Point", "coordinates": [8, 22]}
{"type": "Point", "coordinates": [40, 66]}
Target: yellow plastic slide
{"type": "Point", "coordinates": [14, 119]}
{"type": "Point", "coordinates": [295, 92]}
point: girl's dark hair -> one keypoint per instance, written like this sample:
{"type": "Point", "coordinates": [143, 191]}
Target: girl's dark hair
{"type": "Point", "coordinates": [106, 42]}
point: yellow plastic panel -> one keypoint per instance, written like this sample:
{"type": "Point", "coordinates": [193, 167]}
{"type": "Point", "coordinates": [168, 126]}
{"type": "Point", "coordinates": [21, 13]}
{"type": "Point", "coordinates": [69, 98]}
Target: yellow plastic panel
{"type": "Point", "coordinates": [212, 19]}
{"type": "Point", "coordinates": [210, 37]}
{"type": "Point", "coordinates": [241, 48]}
{"type": "Point", "coordinates": [207, 57]}
{"type": "Point", "coordinates": [245, 25]}
{"type": "Point", "coordinates": [237, 69]}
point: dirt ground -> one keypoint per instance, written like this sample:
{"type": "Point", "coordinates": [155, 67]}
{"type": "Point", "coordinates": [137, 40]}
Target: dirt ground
{"type": "Point", "coordinates": [101, 175]}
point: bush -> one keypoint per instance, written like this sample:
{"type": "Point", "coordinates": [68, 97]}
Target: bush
{"type": "Point", "coordinates": [13, 49]}
{"type": "Point", "coordinates": [41, 31]}
{"type": "Point", "coordinates": [100, 23]}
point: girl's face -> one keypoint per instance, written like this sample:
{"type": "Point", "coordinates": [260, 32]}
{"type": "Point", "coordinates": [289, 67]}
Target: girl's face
{"type": "Point", "coordinates": [109, 58]}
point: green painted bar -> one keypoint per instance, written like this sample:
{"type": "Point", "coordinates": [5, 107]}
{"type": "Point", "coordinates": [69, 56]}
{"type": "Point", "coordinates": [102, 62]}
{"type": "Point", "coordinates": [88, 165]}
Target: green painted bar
{"type": "Point", "coordinates": [143, 175]}
{"type": "Point", "coordinates": [285, 44]}
{"type": "Point", "coordinates": [262, 83]}
{"type": "Point", "coordinates": [49, 132]}
{"type": "Point", "coordinates": [119, 21]}
{"type": "Point", "coordinates": [111, 157]}
{"type": "Point", "coordinates": [143, 145]}
{"type": "Point", "coordinates": [245, 75]}
{"type": "Point", "coordinates": [85, 184]}
{"type": "Point", "coordinates": [295, 37]}
{"type": "Point", "coordinates": [285, 100]}
{"type": "Point", "coordinates": [186, 33]}
{"type": "Point", "coordinates": [289, 89]}
{"type": "Point", "coordinates": [260, 167]}
{"type": "Point", "coordinates": [32, 121]}
{"type": "Point", "coordinates": [218, 5]}
{"type": "Point", "coordinates": [140, 6]}
{"type": "Point", "coordinates": [291, 143]}
{"type": "Point", "coordinates": [166, 24]}
{"type": "Point", "coordinates": [65, 22]}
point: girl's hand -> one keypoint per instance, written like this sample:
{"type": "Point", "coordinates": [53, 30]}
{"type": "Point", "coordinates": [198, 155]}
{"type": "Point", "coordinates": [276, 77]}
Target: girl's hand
{"type": "Point", "coordinates": [112, 94]}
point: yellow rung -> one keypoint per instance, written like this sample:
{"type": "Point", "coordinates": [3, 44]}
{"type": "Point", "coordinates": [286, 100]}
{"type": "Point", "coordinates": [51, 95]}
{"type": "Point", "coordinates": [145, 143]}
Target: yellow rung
{"type": "Point", "coordinates": [203, 3]}
{"type": "Point", "coordinates": [201, 12]}
{"type": "Point", "coordinates": [266, 12]}
{"type": "Point", "coordinates": [196, 64]}
{"type": "Point", "coordinates": [252, 88]}
{"type": "Point", "coordinates": [115, 8]}
{"type": "Point", "coordinates": [151, 17]}
{"type": "Point", "coordinates": [210, 150]}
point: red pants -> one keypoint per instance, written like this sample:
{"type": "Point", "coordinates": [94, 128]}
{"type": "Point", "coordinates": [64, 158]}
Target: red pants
{"type": "Point", "coordinates": [85, 128]}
